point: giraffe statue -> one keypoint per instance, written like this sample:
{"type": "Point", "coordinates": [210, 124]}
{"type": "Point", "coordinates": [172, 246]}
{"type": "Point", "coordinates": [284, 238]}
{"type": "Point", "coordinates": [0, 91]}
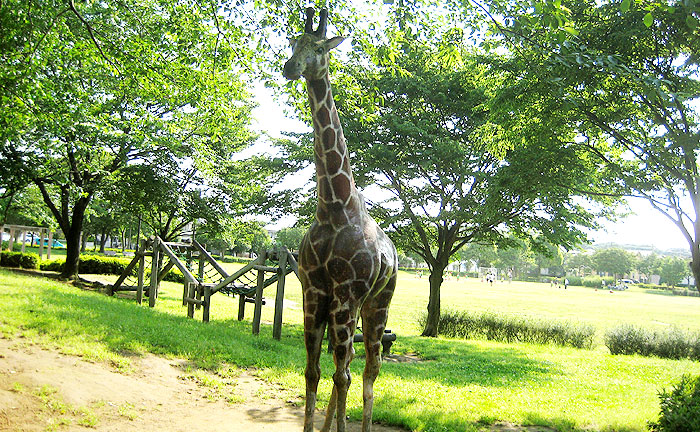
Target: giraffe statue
{"type": "Point", "coordinates": [347, 264]}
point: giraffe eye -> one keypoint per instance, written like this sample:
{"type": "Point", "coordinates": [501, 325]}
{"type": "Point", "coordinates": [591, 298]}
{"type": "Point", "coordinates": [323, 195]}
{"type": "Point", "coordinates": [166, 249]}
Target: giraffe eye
{"type": "Point", "coordinates": [319, 50]}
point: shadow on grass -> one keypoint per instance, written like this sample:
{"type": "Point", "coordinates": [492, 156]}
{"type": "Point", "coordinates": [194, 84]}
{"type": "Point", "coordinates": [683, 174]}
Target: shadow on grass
{"type": "Point", "coordinates": [459, 363]}
{"type": "Point", "coordinates": [70, 316]}
{"type": "Point", "coordinates": [122, 326]}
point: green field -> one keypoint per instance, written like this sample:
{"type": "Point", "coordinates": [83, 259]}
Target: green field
{"type": "Point", "coordinates": [459, 385]}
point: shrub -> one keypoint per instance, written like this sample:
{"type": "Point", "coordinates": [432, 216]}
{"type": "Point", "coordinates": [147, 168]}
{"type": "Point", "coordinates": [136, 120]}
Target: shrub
{"type": "Point", "coordinates": [102, 265]}
{"type": "Point", "coordinates": [575, 280]}
{"type": "Point", "coordinates": [673, 344]}
{"type": "Point", "coordinates": [680, 407]}
{"type": "Point", "coordinates": [597, 281]}
{"type": "Point", "coordinates": [54, 265]}
{"type": "Point", "coordinates": [504, 328]}
{"type": "Point", "coordinates": [98, 264]}
{"type": "Point", "coordinates": [26, 260]}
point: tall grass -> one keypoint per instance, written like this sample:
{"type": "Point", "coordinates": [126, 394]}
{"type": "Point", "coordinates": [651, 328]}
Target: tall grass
{"type": "Point", "coordinates": [673, 343]}
{"type": "Point", "coordinates": [510, 328]}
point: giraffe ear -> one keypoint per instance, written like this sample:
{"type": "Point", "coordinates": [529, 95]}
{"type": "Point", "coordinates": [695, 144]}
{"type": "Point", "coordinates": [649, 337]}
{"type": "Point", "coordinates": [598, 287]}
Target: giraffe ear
{"type": "Point", "coordinates": [292, 41]}
{"type": "Point", "coordinates": [333, 42]}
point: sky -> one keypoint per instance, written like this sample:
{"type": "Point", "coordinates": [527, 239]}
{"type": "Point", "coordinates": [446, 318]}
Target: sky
{"type": "Point", "coordinates": [644, 226]}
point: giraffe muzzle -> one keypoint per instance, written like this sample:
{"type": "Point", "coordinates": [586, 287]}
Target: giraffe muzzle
{"type": "Point", "coordinates": [291, 71]}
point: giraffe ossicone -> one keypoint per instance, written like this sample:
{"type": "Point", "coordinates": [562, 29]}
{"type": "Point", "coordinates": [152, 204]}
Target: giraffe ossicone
{"type": "Point", "coordinates": [347, 264]}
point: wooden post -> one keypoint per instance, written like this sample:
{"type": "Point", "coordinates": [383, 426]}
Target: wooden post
{"type": "Point", "coordinates": [200, 267]}
{"type": "Point", "coordinates": [191, 289]}
{"type": "Point", "coordinates": [241, 307]}
{"type": "Point", "coordinates": [257, 311]}
{"type": "Point", "coordinates": [279, 296]}
{"type": "Point", "coordinates": [41, 244]}
{"type": "Point", "coordinates": [153, 290]}
{"type": "Point", "coordinates": [141, 271]}
{"type": "Point", "coordinates": [24, 239]}
{"type": "Point", "coordinates": [207, 303]}
{"type": "Point", "coordinates": [188, 264]}
{"type": "Point", "coordinates": [49, 244]}
{"type": "Point", "coordinates": [2, 231]}
{"type": "Point", "coordinates": [200, 276]}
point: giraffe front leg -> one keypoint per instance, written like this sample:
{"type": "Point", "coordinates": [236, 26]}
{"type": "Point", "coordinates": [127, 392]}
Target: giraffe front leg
{"type": "Point", "coordinates": [341, 338]}
{"type": "Point", "coordinates": [312, 375]}
{"type": "Point", "coordinates": [313, 337]}
{"type": "Point", "coordinates": [330, 412]}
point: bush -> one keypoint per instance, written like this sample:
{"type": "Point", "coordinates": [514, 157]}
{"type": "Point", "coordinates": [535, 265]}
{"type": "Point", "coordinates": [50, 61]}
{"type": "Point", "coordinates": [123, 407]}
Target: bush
{"type": "Point", "coordinates": [504, 328]}
{"type": "Point", "coordinates": [575, 280]}
{"type": "Point", "coordinates": [54, 265]}
{"type": "Point", "coordinates": [597, 281]}
{"type": "Point", "coordinates": [673, 344]}
{"type": "Point", "coordinates": [18, 259]}
{"type": "Point", "coordinates": [102, 265]}
{"type": "Point", "coordinates": [233, 259]}
{"type": "Point", "coordinates": [98, 264]}
{"type": "Point", "coordinates": [680, 407]}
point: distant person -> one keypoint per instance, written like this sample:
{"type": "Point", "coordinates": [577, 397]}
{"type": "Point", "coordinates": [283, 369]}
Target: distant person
{"type": "Point", "coordinates": [566, 283]}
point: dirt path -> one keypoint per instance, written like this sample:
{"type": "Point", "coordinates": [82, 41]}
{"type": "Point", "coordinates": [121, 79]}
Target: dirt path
{"type": "Point", "coordinates": [44, 390]}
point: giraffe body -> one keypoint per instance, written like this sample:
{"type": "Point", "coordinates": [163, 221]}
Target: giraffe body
{"type": "Point", "coordinates": [347, 264]}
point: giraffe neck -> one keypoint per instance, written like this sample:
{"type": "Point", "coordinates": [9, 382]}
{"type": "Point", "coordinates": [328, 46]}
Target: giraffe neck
{"type": "Point", "coordinates": [335, 183]}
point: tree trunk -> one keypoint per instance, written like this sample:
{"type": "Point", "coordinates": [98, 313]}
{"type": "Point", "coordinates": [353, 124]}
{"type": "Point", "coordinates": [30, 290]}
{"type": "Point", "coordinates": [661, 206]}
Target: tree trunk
{"type": "Point", "coordinates": [70, 269]}
{"type": "Point", "coordinates": [695, 266]}
{"type": "Point", "coordinates": [103, 241]}
{"type": "Point", "coordinates": [431, 325]}
{"type": "Point", "coordinates": [83, 243]}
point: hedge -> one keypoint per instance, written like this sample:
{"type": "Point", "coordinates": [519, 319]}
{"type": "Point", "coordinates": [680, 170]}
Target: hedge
{"type": "Point", "coordinates": [673, 344]}
{"type": "Point", "coordinates": [508, 328]}
{"type": "Point", "coordinates": [95, 264]}
{"type": "Point", "coordinates": [26, 260]}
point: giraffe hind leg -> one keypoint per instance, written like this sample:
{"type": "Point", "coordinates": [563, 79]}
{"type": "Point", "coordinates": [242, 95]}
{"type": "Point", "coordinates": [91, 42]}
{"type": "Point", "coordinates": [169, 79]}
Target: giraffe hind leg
{"type": "Point", "coordinates": [374, 315]}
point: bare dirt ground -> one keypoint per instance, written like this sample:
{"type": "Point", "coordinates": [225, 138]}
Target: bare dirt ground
{"type": "Point", "coordinates": [44, 390]}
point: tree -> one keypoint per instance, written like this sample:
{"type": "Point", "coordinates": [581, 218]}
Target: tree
{"type": "Point", "coordinates": [550, 258]}
{"type": "Point", "coordinates": [248, 236]}
{"type": "Point", "coordinates": [480, 254]}
{"type": "Point", "coordinates": [25, 207]}
{"type": "Point", "coordinates": [517, 258]}
{"type": "Point", "coordinates": [614, 261]}
{"type": "Point", "coordinates": [625, 76]}
{"type": "Point", "coordinates": [649, 265]}
{"type": "Point", "coordinates": [290, 237]}
{"type": "Point", "coordinates": [674, 270]}
{"type": "Point", "coordinates": [417, 118]}
{"type": "Point", "coordinates": [92, 88]}
{"type": "Point", "coordinates": [579, 262]}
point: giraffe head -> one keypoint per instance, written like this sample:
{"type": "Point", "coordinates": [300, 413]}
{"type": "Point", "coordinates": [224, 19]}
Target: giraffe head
{"type": "Point", "coordinates": [310, 50]}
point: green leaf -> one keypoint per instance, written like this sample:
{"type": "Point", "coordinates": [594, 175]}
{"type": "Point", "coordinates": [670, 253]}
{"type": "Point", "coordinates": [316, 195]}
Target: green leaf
{"type": "Point", "coordinates": [648, 19]}
{"type": "Point", "coordinates": [571, 30]}
{"type": "Point", "coordinates": [625, 6]}
{"type": "Point", "coordinates": [691, 22]}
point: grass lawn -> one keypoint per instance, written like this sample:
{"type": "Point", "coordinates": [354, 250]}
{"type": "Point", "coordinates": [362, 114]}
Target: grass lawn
{"type": "Point", "coordinates": [460, 385]}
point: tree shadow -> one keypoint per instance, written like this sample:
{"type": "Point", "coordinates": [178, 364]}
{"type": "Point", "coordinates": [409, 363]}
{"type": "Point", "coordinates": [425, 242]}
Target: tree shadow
{"type": "Point", "coordinates": [460, 363]}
